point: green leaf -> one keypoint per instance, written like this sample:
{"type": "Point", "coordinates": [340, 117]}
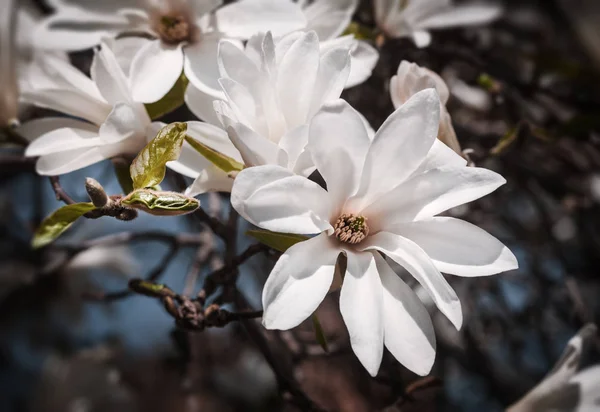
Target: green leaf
{"type": "Point", "coordinates": [278, 241]}
{"type": "Point", "coordinates": [319, 334]}
{"type": "Point", "coordinates": [223, 162]}
{"type": "Point", "coordinates": [359, 31]}
{"type": "Point", "coordinates": [171, 101]}
{"type": "Point", "coordinates": [160, 203]}
{"type": "Point", "coordinates": [149, 167]}
{"type": "Point", "coordinates": [59, 221]}
{"type": "Point", "coordinates": [123, 176]}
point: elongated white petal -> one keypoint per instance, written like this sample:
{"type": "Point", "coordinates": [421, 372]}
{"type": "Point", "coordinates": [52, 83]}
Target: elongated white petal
{"type": "Point", "coordinates": [462, 15]}
{"type": "Point", "coordinates": [408, 331]}
{"type": "Point", "coordinates": [33, 129]}
{"type": "Point", "coordinates": [214, 137]}
{"type": "Point", "coordinates": [63, 139]}
{"type": "Point", "coordinates": [364, 58]}
{"type": "Point", "coordinates": [122, 123]}
{"type": "Point", "coordinates": [235, 64]}
{"type": "Point", "coordinates": [411, 78]}
{"type": "Point", "coordinates": [201, 104]}
{"type": "Point", "coordinates": [458, 247]}
{"type": "Point", "coordinates": [329, 18]}
{"type": "Point", "coordinates": [67, 161]}
{"type": "Point", "coordinates": [242, 104]}
{"type": "Point", "coordinates": [361, 305]}
{"type": "Point", "coordinates": [293, 143]}
{"type": "Point", "coordinates": [296, 78]}
{"type": "Point", "coordinates": [205, 6]}
{"type": "Point", "coordinates": [275, 199]}
{"type": "Point", "coordinates": [421, 38]}
{"type": "Point", "coordinates": [69, 102]}
{"type": "Point", "coordinates": [109, 77]}
{"type": "Point", "coordinates": [431, 193]}
{"type": "Point", "coordinates": [244, 18]}
{"type": "Point", "coordinates": [255, 149]}
{"type": "Point", "coordinates": [154, 71]}
{"type": "Point", "coordinates": [401, 144]}
{"type": "Point", "coordinates": [299, 282]}
{"type": "Point", "coordinates": [440, 156]}
{"type": "Point", "coordinates": [9, 97]}
{"type": "Point", "coordinates": [588, 382]}
{"type": "Point", "coordinates": [334, 69]}
{"type": "Point", "coordinates": [201, 64]}
{"type": "Point", "coordinates": [410, 256]}
{"type": "Point", "coordinates": [125, 49]}
{"type": "Point", "coordinates": [210, 179]}
{"type": "Point", "coordinates": [338, 142]}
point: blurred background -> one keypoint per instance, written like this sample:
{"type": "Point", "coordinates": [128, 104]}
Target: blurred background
{"type": "Point", "coordinates": [524, 99]}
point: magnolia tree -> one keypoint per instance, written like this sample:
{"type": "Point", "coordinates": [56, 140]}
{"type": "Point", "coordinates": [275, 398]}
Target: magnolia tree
{"type": "Point", "coordinates": [346, 211]}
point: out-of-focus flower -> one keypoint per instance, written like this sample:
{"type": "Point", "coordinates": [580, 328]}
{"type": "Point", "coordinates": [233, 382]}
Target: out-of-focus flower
{"type": "Point", "coordinates": [366, 211]}
{"type": "Point", "coordinates": [414, 18]}
{"type": "Point", "coordinates": [9, 89]}
{"type": "Point", "coordinates": [565, 389]}
{"type": "Point", "coordinates": [185, 35]}
{"type": "Point", "coordinates": [117, 259]}
{"type": "Point", "coordinates": [411, 79]}
{"type": "Point", "coordinates": [118, 125]}
{"type": "Point", "coordinates": [272, 90]}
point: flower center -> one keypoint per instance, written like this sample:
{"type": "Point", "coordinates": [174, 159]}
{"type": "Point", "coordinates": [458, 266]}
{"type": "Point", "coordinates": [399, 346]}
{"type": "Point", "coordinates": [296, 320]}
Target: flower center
{"type": "Point", "coordinates": [351, 229]}
{"type": "Point", "coordinates": [174, 29]}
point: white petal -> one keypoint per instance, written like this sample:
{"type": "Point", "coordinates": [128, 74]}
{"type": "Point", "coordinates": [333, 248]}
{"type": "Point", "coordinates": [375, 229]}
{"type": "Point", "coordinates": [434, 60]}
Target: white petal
{"type": "Point", "coordinates": [410, 256]}
{"type": "Point", "coordinates": [69, 102]}
{"type": "Point", "coordinates": [440, 156]}
{"type": "Point", "coordinates": [109, 77]}
{"type": "Point", "coordinates": [214, 137]}
{"type": "Point", "coordinates": [154, 71]}
{"type": "Point", "coordinates": [458, 247]}
{"type": "Point", "coordinates": [446, 133]}
{"type": "Point", "coordinates": [201, 104]}
{"type": "Point", "coordinates": [33, 129]}
{"type": "Point", "coordinates": [588, 382]}
{"type": "Point", "coordinates": [401, 144]}
{"type": "Point", "coordinates": [408, 331]}
{"type": "Point", "coordinates": [242, 104]}
{"type": "Point", "coordinates": [364, 58]}
{"type": "Point", "coordinates": [296, 78]}
{"type": "Point", "coordinates": [126, 48]}
{"type": "Point", "coordinates": [431, 193]}
{"type": "Point", "coordinates": [361, 305]}
{"type": "Point", "coordinates": [244, 18]}
{"type": "Point", "coordinates": [255, 149]}
{"type": "Point", "coordinates": [65, 162]}
{"type": "Point", "coordinates": [329, 18]}
{"type": "Point", "coordinates": [237, 65]}
{"type": "Point", "coordinates": [299, 282]}
{"type": "Point", "coordinates": [411, 79]}
{"type": "Point", "coordinates": [122, 123]}
{"type": "Point", "coordinates": [334, 69]}
{"type": "Point", "coordinates": [293, 143]}
{"type": "Point", "coordinates": [204, 6]}
{"type": "Point", "coordinates": [211, 179]}
{"type": "Point", "coordinates": [201, 63]}
{"type": "Point", "coordinates": [275, 199]}
{"type": "Point", "coordinates": [421, 38]}
{"type": "Point", "coordinates": [65, 138]}
{"type": "Point", "coordinates": [338, 142]}
{"type": "Point", "coordinates": [465, 15]}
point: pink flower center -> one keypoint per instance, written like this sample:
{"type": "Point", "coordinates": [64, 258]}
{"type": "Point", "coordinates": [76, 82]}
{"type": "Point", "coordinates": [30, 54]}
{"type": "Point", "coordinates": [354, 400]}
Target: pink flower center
{"type": "Point", "coordinates": [351, 229]}
{"type": "Point", "coordinates": [174, 29]}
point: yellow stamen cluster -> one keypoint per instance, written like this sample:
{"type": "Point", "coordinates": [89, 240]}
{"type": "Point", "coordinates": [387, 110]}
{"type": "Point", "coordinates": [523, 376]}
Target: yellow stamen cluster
{"type": "Point", "coordinates": [174, 29]}
{"type": "Point", "coordinates": [351, 229]}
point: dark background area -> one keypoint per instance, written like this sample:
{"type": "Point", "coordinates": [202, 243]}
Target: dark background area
{"type": "Point", "coordinates": [525, 101]}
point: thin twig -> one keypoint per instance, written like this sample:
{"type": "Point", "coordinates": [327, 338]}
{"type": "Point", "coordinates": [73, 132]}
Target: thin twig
{"type": "Point", "coordinates": [59, 191]}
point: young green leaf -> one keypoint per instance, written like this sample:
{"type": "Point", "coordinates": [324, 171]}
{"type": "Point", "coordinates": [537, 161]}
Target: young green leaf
{"type": "Point", "coordinates": [319, 334]}
{"type": "Point", "coordinates": [278, 241]}
{"type": "Point", "coordinates": [223, 162]}
{"type": "Point", "coordinates": [171, 101]}
{"type": "Point", "coordinates": [149, 166]}
{"type": "Point", "coordinates": [160, 203]}
{"type": "Point", "coordinates": [59, 221]}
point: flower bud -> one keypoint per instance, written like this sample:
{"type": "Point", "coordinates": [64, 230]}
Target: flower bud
{"type": "Point", "coordinates": [96, 192]}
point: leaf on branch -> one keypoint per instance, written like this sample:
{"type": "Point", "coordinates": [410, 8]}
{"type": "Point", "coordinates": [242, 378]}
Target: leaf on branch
{"type": "Point", "coordinates": [149, 167]}
{"type": "Point", "coordinates": [58, 222]}
{"type": "Point", "coordinates": [319, 334]}
{"type": "Point", "coordinates": [278, 241]}
{"type": "Point", "coordinates": [160, 203]}
{"type": "Point", "coordinates": [223, 162]}
{"type": "Point", "coordinates": [171, 101]}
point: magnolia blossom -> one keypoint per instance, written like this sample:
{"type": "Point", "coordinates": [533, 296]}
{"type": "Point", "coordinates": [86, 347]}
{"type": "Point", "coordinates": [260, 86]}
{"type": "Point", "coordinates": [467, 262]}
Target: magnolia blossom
{"type": "Point", "coordinates": [565, 389]}
{"type": "Point", "coordinates": [116, 124]}
{"type": "Point", "coordinates": [272, 90]}
{"type": "Point", "coordinates": [411, 79]}
{"type": "Point", "coordinates": [413, 18]}
{"type": "Point", "coordinates": [184, 35]}
{"type": "Point", "coordinates": [382, 198]}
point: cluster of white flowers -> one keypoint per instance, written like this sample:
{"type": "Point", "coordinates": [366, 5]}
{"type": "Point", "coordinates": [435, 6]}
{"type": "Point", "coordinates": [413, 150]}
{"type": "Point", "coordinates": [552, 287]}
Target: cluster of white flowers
{"type": "Point", "coordinates": [265, 77]}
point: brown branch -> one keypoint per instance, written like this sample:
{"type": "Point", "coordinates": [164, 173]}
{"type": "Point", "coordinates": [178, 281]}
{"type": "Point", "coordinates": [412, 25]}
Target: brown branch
{"type": "Point", "coordinates": [59, 191]}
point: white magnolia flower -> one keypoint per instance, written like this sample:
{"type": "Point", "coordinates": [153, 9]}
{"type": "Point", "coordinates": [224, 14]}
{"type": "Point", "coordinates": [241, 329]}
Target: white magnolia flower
{"type": "Point", "coordinates": [565, 389]}
{"type": "Point", "coordinates": [184, 35]}
{"type": "Point", "coordinates": [272, 90]}
{"type": "Point", "coordinates": [413, 18]}
{"type": "Point", "coordinates": [115, 124]}
{"type": "Point", "coordinates": [410, 80]}
{"type": "Point", "coordinates": [382, 198]}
